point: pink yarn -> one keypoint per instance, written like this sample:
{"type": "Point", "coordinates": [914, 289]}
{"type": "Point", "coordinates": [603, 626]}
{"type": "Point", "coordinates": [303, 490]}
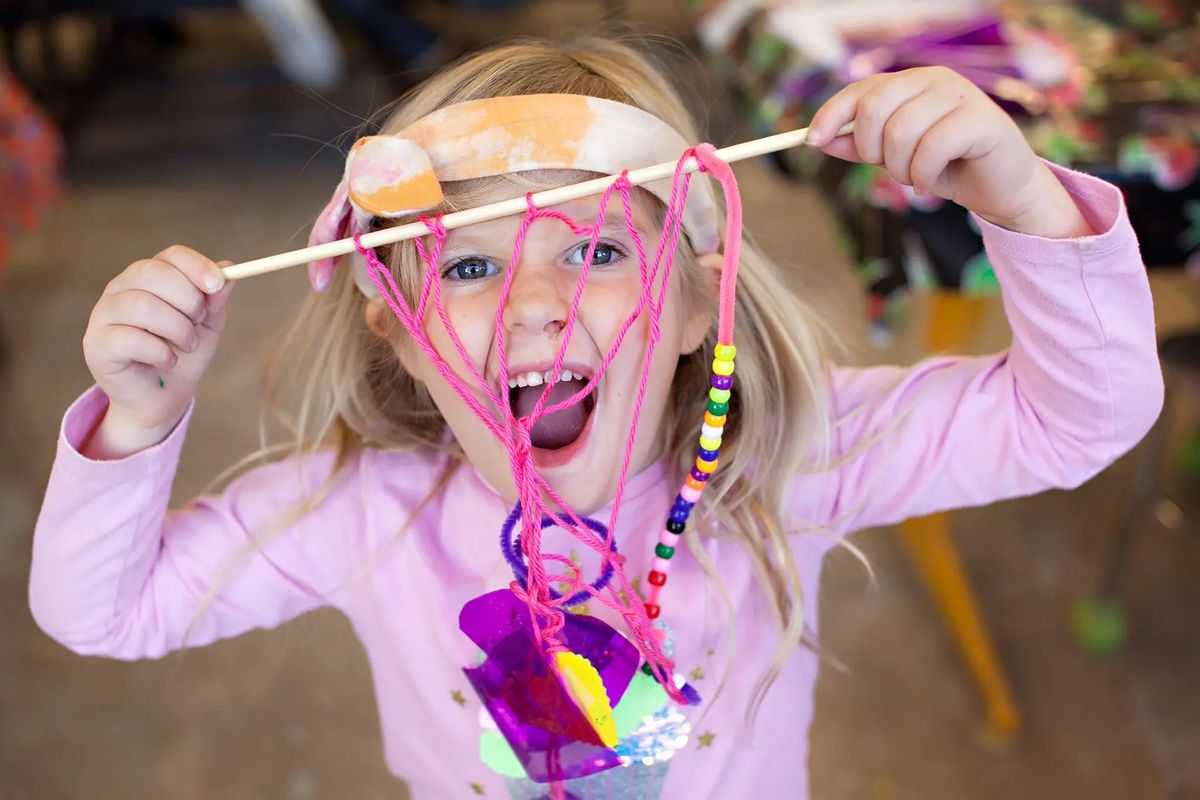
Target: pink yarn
{"type": "Point", "coordinates": [514, 433]}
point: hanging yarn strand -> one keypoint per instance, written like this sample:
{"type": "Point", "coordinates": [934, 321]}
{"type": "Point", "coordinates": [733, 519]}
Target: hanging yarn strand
{"type": "Point", "coordinates": [539, 505]}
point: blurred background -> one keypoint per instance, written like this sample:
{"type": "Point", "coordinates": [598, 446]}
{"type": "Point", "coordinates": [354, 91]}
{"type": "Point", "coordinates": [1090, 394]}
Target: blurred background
{"type": "Point", "coordinates": [1046, 647]}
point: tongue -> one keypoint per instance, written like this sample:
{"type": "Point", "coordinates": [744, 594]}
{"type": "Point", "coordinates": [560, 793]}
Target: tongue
{"type": "Point", "coordinates": [555, 430]}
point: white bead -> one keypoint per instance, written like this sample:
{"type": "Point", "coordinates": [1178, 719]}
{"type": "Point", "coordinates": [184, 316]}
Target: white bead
{"type": "Point", "coordinates": [711, 431]}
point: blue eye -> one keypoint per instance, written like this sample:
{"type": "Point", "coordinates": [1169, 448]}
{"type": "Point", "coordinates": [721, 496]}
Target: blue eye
{"type": "Point", "coordinates": [605, 254]}
{"type": "Point", "coordinates": [469, 269]}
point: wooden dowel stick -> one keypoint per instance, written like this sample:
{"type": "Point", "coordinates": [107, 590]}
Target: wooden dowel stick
{"type": "Point", "coordinates": [517, 205]}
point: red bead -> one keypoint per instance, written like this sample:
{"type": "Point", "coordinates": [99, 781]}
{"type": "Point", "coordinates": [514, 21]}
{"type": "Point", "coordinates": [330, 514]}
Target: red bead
{"type": "Point", "coordinates": [657, 578]}
{"type": "Point", "coordinates": [652, 610]}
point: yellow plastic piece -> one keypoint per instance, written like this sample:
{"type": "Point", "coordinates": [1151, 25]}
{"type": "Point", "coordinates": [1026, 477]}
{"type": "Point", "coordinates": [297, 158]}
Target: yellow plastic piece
{"type": "Point", "coordinates": [709, 443]}
{"type": "Point", "coordinates": [587, 690]}
{"type": "Point", "coordinates": [725, 352]}
{"type": "Point", "coordinates": [706, 466]}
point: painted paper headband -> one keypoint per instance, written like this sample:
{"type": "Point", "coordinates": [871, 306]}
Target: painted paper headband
{"type": "Point", "coordinates": [400, 175]}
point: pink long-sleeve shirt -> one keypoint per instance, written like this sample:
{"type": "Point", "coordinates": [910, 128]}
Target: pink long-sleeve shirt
{"type": "Point", "coordinates": [115, 573]}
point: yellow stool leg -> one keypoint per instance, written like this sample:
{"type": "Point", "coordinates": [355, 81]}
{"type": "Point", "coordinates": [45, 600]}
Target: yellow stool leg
{"type": "Point", "coordinates": [928, 543]}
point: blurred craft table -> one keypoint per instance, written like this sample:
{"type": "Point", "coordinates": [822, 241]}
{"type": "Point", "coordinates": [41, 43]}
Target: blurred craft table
{"type": "Point", "coordinates": [946, 321]}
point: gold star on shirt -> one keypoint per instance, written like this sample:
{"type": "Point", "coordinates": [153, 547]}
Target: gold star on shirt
{"type": "Point", "coordinates": [636, 585]}
{"type": "Point", "coordinates": [705, 739]}
{"type": "Point", "coordinates": [457, 697]}
{"type": "Point", "coordinates": [697, 674]}
{"type": "Point", "coordinates": [477, 788]}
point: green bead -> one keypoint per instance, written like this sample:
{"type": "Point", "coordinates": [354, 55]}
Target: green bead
{"type": "Point", "coordinates": [646, 668]}
{"type": "Point", "coordinates": [717, 409]}
{"type": "Point", "coordinates": [718, 395]}
{"type": "Point", "coordinates": [663, 551]}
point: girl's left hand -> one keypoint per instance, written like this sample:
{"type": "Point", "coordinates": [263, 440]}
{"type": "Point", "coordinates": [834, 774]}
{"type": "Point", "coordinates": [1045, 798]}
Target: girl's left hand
{"type": "Point", "coordinates": [934, 130]}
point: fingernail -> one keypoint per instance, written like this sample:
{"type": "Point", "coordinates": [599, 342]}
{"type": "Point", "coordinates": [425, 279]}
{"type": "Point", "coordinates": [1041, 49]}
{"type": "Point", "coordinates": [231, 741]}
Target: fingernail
{"type": "Point", "coordinates": [814, 137]}
{"type": "Point", "coordinates": [213, 283]}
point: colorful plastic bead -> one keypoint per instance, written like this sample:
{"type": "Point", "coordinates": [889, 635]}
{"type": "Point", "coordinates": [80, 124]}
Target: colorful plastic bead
{"type": "Point", "coordinates": [716, 422]}
{"type": "Point", "coordinates": [722, 381]}
{"type": "Point", "coordinates": [707, 443]}
{"type": "Point", "coordinates": [679, 514]}
{"type": "Point", "coordinates": [717, 409]}
{"type": "Point", "coordinates": [706, 466]}
{"type": "Point", "coordinates": [725, 352]}
{"type": "Point", "coordinates": [657, 578]}
{"type": "Point", "coordinates": [683, 503]}
{"type": "Point", "coordinates": [646, 668]}
{"type": "Point", "coordinates": [687, 492]}
{"type": "Point", "coordinates": [720, 367]}
{"type": "Point", "coordinates": [675, 526]}
{"type": "Point", "coordinates": [662, 551]}
{"type": "Point", "coordinates": [669, 538]}
{"type": "Point", "coordinates": [706, 455]}
{"type": "Point", "coordinates": [712, 431]}
{"type": "Point", "coordinates": [653, 610]}
{"type": "Point", "coordinates": [660, 564]}
{"type": "Point", "coordinates": [700, 477]}
{"type": "Point", "coordinates": [690, 482]}
{"type": "Point", "coordinates": [718, 395]}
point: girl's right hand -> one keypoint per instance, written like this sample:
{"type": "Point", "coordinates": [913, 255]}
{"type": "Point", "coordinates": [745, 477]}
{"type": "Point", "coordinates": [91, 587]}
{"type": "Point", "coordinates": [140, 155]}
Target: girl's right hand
{"type": "Point", "coordinates": [150, 338]}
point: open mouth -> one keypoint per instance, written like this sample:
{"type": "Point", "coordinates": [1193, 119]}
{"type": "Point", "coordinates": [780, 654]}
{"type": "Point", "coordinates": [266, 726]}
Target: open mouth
{"type": "Point", "coordinates": [556, 432]}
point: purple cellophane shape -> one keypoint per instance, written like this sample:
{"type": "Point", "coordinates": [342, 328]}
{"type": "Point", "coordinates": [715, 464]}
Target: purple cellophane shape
{"type": "Point", "coordinates": [548, 732]}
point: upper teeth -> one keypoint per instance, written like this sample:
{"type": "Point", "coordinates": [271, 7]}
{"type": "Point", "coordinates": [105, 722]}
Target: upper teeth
{"type": "Point", "coordinates": [538, 378]}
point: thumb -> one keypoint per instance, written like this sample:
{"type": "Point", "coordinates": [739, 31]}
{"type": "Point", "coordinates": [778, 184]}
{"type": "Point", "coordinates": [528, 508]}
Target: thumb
{"type": "Point", "coordinates": [843, 147]}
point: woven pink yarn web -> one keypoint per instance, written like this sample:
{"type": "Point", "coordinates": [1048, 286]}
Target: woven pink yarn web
{"type": "Point", "coordinates": [545, 610]}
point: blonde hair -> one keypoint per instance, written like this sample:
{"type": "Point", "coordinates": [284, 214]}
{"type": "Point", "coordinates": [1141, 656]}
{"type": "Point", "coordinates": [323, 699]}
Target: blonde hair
{"type": "Point", "coordinates": [356, 395]}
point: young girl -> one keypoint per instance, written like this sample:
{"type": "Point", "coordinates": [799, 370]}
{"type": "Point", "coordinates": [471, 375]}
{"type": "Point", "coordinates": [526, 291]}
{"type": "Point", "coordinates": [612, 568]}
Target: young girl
{"type": "Point", "coordinates": [388, 504]}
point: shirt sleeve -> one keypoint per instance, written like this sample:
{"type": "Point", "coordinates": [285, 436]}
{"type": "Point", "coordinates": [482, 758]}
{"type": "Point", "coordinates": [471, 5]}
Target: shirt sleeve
{"type": "Point", "coordinates": [116, 573]}
{"type": "Point", "coordinates": [1080, 384]}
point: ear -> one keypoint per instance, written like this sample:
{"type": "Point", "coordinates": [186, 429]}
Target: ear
{"type": "Point", "coordinates": [702, 316]}
{"type": "Point", "coordinates": [381, 323]}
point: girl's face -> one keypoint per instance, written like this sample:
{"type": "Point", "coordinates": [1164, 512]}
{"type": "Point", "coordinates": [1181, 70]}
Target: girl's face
{"type": "Point", "coordinates": [578, 450]}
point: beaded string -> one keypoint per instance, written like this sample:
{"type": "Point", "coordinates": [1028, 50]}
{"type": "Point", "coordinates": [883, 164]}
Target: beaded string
{"type": "Point", "coordinates": [719, 393]}
{"type": "Point", "coordinates": [515, 433]}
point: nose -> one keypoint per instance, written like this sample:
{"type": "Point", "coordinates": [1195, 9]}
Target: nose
{"type": "Point", "coordinates": [536, 303]}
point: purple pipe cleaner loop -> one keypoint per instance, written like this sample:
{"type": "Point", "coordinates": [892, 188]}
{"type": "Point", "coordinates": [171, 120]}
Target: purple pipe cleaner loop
{"type": "Point", "coordinates": [510, 546]}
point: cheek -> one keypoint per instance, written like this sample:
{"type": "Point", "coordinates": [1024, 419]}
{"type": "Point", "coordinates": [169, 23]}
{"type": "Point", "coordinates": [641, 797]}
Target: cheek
{"type": "Point", "coordinates": [472, 317]}
{"type": "Point", "coordinates": [606, 305]}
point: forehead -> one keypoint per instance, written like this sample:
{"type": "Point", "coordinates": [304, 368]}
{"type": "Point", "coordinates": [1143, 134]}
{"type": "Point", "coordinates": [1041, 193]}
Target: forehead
{"type": "Point", "coordinates": [461, 195]}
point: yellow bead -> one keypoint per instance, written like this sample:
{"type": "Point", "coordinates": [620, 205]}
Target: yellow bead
{"type": "Point", "coordinates": [722, 367]}
{"type": "Point", "coordinates": [709, 443]}
{"type": "Point", "coordinates": [725, 352]}
{"type": "Point", "coordinates": [715, 421]}
{"type": "Point", "coordinates": [718, 395]}
{"type": "Point", "coordinates": [706, 466]}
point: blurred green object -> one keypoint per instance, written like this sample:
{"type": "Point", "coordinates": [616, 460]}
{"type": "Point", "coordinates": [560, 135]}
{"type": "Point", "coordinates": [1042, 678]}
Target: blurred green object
{"type": "Point", "coordinates": [1098, 625]}
{"type": "Point", "coordinates": [1189, 455]}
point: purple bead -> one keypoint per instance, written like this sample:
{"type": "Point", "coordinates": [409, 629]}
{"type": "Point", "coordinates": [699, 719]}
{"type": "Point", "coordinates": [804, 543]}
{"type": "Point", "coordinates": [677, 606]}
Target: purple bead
{"type": "Point", "coordinates": [684, 504]}
{"type": "Point", "coordinates": [707, 455]}
{"type": "Point", "coordinates": [698, 475]}
{"type": "Point", "coordinates": [679, 514]}
{"type": "Point", "coordinates": [722, 381]}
